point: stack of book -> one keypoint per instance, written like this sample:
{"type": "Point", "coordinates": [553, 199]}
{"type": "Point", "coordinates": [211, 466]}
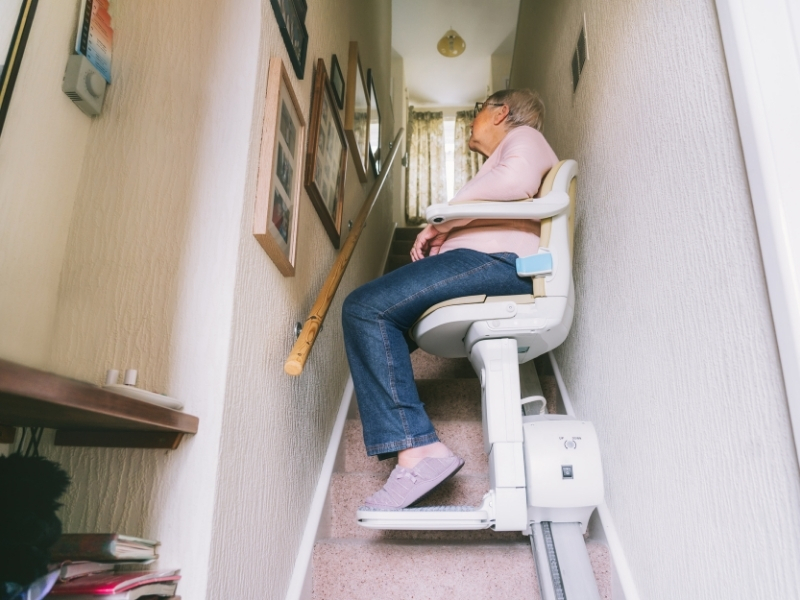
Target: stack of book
{"type": "Point", "coordinates": [109, 566]}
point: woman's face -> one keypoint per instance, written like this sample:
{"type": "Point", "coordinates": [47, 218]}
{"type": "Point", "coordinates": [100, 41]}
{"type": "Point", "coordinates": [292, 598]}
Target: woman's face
{"type": "Point", "coordinates": [484, 127]}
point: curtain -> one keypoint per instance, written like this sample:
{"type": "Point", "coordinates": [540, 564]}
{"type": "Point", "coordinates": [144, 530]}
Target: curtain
{"type": "Point", "coordinates": [466, 161]}
{"type": "Point", "coordinates": [426, 183]}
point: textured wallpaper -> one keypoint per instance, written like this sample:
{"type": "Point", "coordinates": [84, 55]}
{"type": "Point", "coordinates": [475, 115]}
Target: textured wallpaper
{"type": "Point", "coordinates": [276, 427]}
{"type": "Point", "coordinates": [672, 353]}
{"type": "Point", "coordinates": [41, 153]}
{"type": "Point", "coordinates": [161, 273]}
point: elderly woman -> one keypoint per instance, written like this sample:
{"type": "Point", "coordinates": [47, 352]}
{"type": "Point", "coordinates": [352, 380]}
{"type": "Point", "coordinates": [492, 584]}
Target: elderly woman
{"type": "Point", "coordinates": [458, 258]}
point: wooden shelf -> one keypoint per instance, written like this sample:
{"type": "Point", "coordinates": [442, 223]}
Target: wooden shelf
{"type": "Point", "coordinates": [84, 414]}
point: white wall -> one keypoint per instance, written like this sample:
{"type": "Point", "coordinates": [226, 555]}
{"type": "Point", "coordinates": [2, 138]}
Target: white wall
{"type": "Point", "coordinates": [41, 153]}
{"type": "Point", "coordinates": [276, 427]}
{"type": "Point", "coordinates": [150, 265]}
{"type": "Point", "coordinates": [144, 253]}
{"type": "Point", "coordinates": [673, 352]}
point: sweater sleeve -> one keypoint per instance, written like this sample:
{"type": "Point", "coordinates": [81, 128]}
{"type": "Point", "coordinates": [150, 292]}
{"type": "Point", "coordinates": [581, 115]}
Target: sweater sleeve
{"type": "Point", "coordinates": [524, 159]}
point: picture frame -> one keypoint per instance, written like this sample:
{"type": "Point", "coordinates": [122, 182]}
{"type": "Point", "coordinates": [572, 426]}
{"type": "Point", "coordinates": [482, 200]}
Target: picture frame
{"type": "Point", "coordinates": [356, 113]}
{"type": "Point", "coordinates": [293, 31]}
{"type": "Point", "coordinates": [337, 82]}
{"type": "Point", "coordinates": [326, 159]}
{"type": "Point", "coordinates": [280, 169]}
{"type": "Point", "coordinates": [16, 38]}
{"type": "Point", "coordinates": [374, 126]}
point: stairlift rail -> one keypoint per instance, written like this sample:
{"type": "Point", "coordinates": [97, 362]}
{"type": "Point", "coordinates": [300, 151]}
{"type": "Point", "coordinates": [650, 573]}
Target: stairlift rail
{"type": "Point", "coordinates": [305, 341]}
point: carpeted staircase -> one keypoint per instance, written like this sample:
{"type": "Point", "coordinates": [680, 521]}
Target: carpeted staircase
{"type": "Point", "coordinates": [355, 563]}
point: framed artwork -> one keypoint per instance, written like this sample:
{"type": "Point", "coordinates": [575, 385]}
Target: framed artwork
{"type": "Point", "coordinates": [356, 113]}
{"type": "Point", "coordinates": [293, 31]}
{"type": "Point", "coordinates": [279, 170]}
{"type": "Point", "coordinates": [337, 82]}
{"type": "Point", "coordinates": [16, 17]}
{"type": "Point", "coordinates": [374, 126]}
{"type": "Point", "coordinates": [326, 160]}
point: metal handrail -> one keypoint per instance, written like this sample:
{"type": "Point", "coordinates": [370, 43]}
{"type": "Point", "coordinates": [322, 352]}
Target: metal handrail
{"type": "Point", "coordinates": [305, 341]}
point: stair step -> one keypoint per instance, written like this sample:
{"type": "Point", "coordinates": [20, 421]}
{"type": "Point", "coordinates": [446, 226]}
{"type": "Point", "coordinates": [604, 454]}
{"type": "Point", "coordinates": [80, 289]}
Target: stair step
{"type": "Point", "coordinates": [370, 570]}
{"type": "Point", "coordinates": [401, 246]}
{"type": "Point", "coordinates": [395, 261]}
{"type": "Point", "coordinates": [348, 491]}
{"type": "Point", "coordinates": [449, 399]}
{"type": "Point", "coordinates": [346, 569]}
{"type": "Point", "coordinates": [465, 438]}
{"type": "Point", "coordinates": [428, 366]}
{"type": "Point", "coordinates": [407, 233]}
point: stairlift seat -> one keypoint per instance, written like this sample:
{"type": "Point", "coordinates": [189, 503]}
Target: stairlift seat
{"type": "Point", "coordinates": [539, 321]}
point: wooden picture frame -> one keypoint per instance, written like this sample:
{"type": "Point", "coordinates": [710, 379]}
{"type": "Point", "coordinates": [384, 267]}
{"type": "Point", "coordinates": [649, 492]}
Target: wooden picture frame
{"type": "Point", "coordinates": [13, 60]}
{"type": "Point", "coordinates": [356, 113]}
{"type": "Point", "coordinates": [293, 31]}
{"type": "Point", "coordinates": [374, 126]}
{"type": "Point", "coordinates": [326, 160]}
{"type": "Point", "coordinates": [337, 82]}
{"type": "Point", "coordinates": [280, 170]}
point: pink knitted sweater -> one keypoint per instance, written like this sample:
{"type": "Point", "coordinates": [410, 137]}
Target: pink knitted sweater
{"type": "Point", "coordinates": [514, 171]}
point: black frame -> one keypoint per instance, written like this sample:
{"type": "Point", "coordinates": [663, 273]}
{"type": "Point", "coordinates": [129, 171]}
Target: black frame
{"type": "Point", "coordinates": [331, 222]}
{"type": "Point", "coordinates": [18, 41]}
{"type": "Point", "coordinates": [293, 31]}
{"type": "Point", "coordinates": [336, 75]}
{"type": "Point", "coordinates": [374, 156]}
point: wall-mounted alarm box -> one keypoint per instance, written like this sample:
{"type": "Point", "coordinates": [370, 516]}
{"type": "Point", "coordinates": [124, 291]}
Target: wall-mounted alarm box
{"type": "Point", "coordinates": [84, 85]}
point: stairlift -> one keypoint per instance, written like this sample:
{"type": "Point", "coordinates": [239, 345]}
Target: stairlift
{"type": "Point", "coordinates": [545, 471]}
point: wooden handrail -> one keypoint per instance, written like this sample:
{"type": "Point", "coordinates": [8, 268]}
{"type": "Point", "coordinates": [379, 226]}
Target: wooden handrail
{"type": "Point", "coordinates": [305, 341]}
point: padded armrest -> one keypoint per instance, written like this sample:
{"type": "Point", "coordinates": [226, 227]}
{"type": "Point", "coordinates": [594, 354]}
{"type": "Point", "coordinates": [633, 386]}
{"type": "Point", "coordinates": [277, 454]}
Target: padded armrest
{"type": "Point", "coordinates": [550, 205]}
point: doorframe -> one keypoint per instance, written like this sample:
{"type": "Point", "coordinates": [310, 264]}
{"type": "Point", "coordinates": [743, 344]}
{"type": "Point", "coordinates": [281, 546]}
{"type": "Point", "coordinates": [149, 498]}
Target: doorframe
{"type": "Point", "coordinates": [762, 50]}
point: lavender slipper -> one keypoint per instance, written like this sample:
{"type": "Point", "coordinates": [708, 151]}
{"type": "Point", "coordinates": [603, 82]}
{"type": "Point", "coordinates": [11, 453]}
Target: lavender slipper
{"type": "Point", "coordinates": [407, 486]}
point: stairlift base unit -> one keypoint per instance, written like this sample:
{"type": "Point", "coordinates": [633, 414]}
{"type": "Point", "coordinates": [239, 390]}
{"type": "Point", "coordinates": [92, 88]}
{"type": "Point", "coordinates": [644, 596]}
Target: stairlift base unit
{"type": "Point", "coordinates": [563, 467]}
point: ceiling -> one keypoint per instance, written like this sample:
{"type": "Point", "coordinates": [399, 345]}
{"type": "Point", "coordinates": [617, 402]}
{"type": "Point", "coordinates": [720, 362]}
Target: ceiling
{"type": "Point", "coordinates": [487, 26]}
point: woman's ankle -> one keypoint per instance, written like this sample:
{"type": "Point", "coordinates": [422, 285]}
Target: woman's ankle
{"type": "Point", "coordinates": [409, 457]}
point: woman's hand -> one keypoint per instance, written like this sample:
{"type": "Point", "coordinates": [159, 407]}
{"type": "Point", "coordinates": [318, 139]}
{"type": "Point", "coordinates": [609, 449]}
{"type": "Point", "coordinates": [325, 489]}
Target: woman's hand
{"type": "Point", "coordinates": [428, 243]}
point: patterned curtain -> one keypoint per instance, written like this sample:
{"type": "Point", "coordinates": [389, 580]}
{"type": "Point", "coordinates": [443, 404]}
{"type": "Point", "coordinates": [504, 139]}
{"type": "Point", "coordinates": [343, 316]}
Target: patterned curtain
{"type": "Point", "coordinates": [466, 161]}
{"type": "Point", "coordinates": [427, 182]}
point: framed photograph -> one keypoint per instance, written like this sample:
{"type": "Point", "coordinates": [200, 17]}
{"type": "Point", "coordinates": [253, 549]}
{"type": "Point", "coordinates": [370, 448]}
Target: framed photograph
{"type": "Point", "coordinates": [16, 17]}
{"type": "Point", "coordinates": [326, 160]}
{"type": "Point", "coordinates": [293, 31]}
{"type": "Point", "coordinates": [279, 170]}
{"type": "Point", "coordinates": [356, 113]}
{"type": "Point", "coordinates": [374, 126]}
{"type": "Point", "coordinates": [337, 82]}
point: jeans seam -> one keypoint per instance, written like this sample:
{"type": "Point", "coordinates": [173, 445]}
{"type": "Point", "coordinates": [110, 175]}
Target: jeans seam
{"type": "Point", "coordinates": [392, 387]}
{"type": "Point", "coordinates": [436, 285]}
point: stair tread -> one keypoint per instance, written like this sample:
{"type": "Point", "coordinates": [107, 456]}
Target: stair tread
{"type": "Point", "coordinates": [397, 570]}
{"type": "Point", "coordinates": [428, 366]}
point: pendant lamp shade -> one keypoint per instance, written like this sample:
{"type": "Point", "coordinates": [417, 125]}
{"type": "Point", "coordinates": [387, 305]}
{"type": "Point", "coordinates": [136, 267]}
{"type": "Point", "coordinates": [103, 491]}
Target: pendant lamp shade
{"type": "Point", "coordinates": [451, 44]}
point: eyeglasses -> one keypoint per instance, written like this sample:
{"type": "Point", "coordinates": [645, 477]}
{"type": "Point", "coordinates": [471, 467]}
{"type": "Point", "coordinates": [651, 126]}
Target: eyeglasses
{"type": "Point", "coordinates": [479, 105]}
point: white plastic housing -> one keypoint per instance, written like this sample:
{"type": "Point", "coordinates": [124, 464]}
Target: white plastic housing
{"type": "Point", "coordinates": [557, 446]}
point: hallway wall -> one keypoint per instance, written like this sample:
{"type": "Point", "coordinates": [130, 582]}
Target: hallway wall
{"type": "Point", "coordinates": [157, 270]}
{"type": "Point", "coordinates": [672, 353]}
{"type": "Point", "coordinates": [276, 427]}
{"type": "Point", "coordinates": [41, 154]}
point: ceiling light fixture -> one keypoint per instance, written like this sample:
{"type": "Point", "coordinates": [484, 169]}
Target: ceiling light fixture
{"type": "Point", "coordinates": [451, 44]}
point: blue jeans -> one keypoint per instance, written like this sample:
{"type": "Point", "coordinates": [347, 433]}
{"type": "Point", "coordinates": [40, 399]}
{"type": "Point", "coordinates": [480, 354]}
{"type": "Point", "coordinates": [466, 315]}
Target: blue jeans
{"type": "Point", "coordinates": [376, 318]}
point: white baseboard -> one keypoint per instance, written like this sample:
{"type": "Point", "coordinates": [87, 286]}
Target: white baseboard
{"type": "Point", "coordinates": [301, 582]}
{"type": "Point", "coordinates": [622, 576]}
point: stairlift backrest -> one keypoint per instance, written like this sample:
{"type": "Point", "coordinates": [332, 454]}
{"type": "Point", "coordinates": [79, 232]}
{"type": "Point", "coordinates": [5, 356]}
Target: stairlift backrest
{"type": "Point", "coordinates": [449, 329]}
